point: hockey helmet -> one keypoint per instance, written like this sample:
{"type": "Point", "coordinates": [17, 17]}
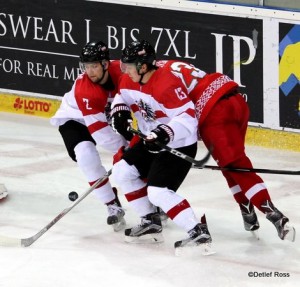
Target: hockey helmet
{"type": "Point", "coordinates": [94, 52]}
{"type": "Point", "coordinates": [139, 52]}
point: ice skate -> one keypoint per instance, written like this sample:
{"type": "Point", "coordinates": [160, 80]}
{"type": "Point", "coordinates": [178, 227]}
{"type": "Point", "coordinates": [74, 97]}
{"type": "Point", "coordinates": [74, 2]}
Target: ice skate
{"type": "Point", "coordinates": [116, 217]}
{"type": "Point", "coordinates": [149, 231]}
{"type": "Point", "coordinates": [285, 232]}
{"type": "Point", "coordinates": [250, 218]}
{"type": "Point", "coordinates": [199, 237]}
{"type": "Point", "coordinates": [3, 191]}
{"type": "Point", "coordinates": [163, 217]}
{"type": "Point", "coordinates": [116, 213]}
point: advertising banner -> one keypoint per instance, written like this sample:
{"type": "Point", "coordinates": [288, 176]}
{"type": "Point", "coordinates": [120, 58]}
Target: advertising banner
{"type": "Point", "coordinates": [24, 105]}
{"type": "Point", "coordinates": [289, 75]}
{"type": "Point", "coordinates": [39, 50]}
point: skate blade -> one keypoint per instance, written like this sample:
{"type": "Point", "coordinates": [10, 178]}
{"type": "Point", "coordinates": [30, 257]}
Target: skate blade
{"type": "Point", "coordinates": [145, 239]}
{"type": "Point", "coordinates": [3, 194]}
{"type": "Point", "coordinates": [291, 234]}
{"type": "Point", "coordinates": [164, 223]}
{"type": "Point", "coordinates": [164, 219]}
{"type": "Point", "coordinates": [119, 225]}
{"type": "Point", "coordinates": [255, 234]}
{"type": "Point", "coordinates": [201, 249]}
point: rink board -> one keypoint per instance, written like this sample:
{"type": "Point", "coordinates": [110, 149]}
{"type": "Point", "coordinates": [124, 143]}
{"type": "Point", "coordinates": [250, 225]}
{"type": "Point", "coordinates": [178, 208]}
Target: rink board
{"type": "Point", "coordinates": [44, 107]}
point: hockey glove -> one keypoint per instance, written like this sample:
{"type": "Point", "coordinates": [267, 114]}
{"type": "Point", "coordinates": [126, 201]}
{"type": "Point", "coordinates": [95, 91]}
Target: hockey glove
{"type": "Point", "coordinates": [119, 155]}
{"type": "Point", "coordinates": [163, 134]}
{"type": "Point", "coordinates": [121, 120]}
{"type": "Point", "coordinates": [134, 141]}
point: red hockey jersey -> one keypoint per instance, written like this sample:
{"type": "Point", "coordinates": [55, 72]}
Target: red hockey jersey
{"type": "Point", "coordinates": [202, 88]}
{"type": "Point", "coordinates": [87, 102]}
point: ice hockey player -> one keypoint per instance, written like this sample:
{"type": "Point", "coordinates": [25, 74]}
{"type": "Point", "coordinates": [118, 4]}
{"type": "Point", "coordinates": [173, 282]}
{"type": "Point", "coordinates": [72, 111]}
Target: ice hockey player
{"type": "Point", "coordinates": [222, 115]}
{"type": "Point", "coordinates": [164, 113]}
{"type": "Point", "coordinates": [83, 121]}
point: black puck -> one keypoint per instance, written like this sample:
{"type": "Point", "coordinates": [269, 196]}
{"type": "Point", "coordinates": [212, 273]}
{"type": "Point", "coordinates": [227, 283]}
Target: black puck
{"type": "Point", "coordinates": [73, 195]}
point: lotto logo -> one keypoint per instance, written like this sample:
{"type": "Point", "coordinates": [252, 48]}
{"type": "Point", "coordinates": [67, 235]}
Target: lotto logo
{"type": "Point", "coordinates": [31, 105]}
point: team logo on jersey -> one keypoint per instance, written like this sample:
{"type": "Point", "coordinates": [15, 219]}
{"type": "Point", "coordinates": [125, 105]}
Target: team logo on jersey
{"type": "Point", "coordinates": [146, 111]}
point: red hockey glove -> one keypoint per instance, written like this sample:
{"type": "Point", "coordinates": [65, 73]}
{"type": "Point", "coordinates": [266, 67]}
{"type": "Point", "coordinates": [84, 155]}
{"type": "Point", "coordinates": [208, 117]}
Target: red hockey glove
{"type": "Point", "coordinates": [119, 155]}
{"type": "Point", "coordinates": [136, 139]}
{"type": "Point", "coordinates": [163, 134]}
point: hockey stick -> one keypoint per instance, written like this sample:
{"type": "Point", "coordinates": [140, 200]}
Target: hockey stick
{"type": "Point", "coordinates": [25, 242]}
{"type": "Point", "coordinates": [200, 164]}
{"type": "Point", "coordinates": [243, 169]}
{"type": "Point", "coordinates": [197, 163]}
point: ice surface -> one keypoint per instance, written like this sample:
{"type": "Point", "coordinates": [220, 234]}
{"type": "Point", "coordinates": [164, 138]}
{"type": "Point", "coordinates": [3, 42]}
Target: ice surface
{"type": "Point", "coordinates": [81, 250]}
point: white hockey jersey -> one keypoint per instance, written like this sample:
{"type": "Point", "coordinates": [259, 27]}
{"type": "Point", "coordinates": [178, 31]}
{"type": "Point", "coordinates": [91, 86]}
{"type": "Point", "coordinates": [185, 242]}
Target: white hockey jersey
{"type": "Point", "coordinates": [162, 100]}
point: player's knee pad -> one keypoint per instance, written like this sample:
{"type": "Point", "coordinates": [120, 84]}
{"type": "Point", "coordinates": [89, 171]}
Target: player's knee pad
{"type": "Point", "coordinates": [88, 160]}
{"type": "Point", "coordinates": [85, 149]}
{"type": "Point", "coordinates": [74, 133]}
{"type": "Point", "coordinates": [86, 154]}
{"type": "Point", "coordinates": [157, 194]}
{"type": "Point", "coordinates": [123, 172]}
{"type": "Point", "coordinates": [163, 197]}
{"type": "Point", "coordinates": [71, 153]}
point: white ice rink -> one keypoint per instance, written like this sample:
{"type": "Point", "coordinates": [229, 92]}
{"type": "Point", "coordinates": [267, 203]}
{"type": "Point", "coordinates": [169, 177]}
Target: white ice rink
{"type": "Point", "coordinates": [81, 250]}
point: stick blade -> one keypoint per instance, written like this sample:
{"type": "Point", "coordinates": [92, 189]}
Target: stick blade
{"type": "Point", "coordinates": [200, 163]}
{"type": "Point", "coordinates": [10, 241]}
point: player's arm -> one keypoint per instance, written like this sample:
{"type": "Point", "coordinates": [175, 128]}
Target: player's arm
{"type": "Point", "coordinates": [180, 109]}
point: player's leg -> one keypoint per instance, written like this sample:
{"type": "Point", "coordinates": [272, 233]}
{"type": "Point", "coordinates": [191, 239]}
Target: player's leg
{"type": "Point", "coordinates": [165, 177]}
{"type": "Point", "coordinates": [224, 129]}
{"type": "Point", "coordinates": [81, 148]}
{"type": "Point", "coordinates": [130, 174]}
{"type": "Point", "coordinates": [226, 132]}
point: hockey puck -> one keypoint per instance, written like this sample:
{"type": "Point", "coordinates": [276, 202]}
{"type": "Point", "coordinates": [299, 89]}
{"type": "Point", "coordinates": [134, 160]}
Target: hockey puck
{"type": "Point", "coordinates": [73, 195]}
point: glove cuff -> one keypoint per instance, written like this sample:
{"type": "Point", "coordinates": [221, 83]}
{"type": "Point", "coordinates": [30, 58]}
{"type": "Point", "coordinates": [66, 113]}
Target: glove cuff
{"type": "Point", "coordinates": [118, 108]}
{"type": "Point", "coordinates": [168, 131]}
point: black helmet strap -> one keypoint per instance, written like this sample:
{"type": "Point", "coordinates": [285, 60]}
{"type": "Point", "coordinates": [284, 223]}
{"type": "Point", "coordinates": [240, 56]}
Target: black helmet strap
{"type": "Point", "coordinates": [149, 68]}
{"type": "Point", "coordinates": [104, 71]}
